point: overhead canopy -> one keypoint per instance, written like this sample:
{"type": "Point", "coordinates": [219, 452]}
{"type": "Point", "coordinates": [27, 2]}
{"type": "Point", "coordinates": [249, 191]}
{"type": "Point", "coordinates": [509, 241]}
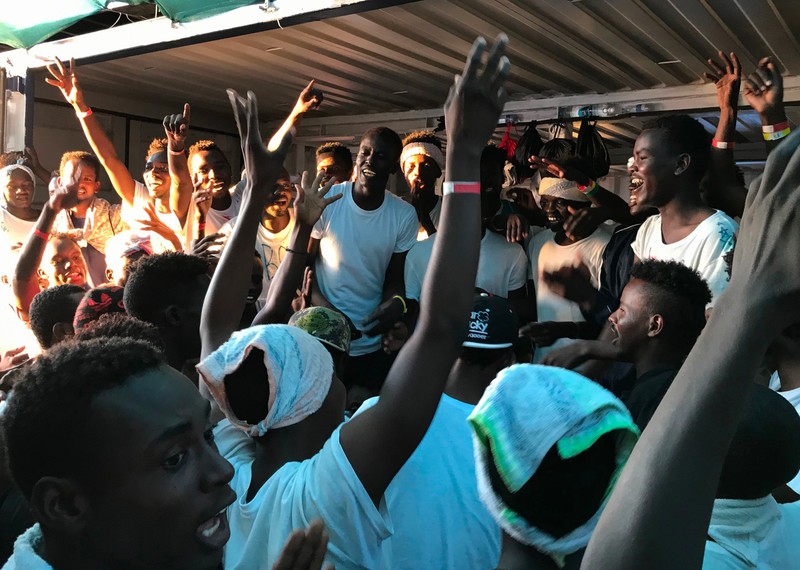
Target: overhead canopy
{"type": "Point", "coordinates": [26, 26]}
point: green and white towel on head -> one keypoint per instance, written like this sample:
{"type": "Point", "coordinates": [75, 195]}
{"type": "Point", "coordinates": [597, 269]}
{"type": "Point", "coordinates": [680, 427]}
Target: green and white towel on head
{"type": "Point", "coordinates": [526, 411]}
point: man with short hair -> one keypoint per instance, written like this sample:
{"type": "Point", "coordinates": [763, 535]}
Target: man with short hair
{"type": "Point", "coordinates": [168, 290]}
{"type": "Point", "coordinates": [336, 162]}
{"type": "Point", "coordinates": [216, 201]}
{"type": "Point", "coordinates": [437, 483]}
{"type": "Point", "coordinates": [125, 472]}
{"type": "Point", "coordinates": [361, 243]}
{"type": "Point", "coordinates": [422, 162]}
{"type": "Point", "coordinates": [670, 158]}
{"type": "Point", "coordinates": [52, 312]}
{"type": "Point", "coordinates": [553, 249]}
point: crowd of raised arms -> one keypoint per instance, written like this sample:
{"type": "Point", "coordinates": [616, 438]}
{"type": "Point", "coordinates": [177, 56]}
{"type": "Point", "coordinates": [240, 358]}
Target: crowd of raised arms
{"type": "Point", "coordinates": [484, 374]}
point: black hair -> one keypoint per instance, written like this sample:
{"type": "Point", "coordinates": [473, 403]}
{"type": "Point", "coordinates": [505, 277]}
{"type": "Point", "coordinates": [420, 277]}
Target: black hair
{"type": "Point", "coordinates": [558, 150]}
{"type": "Point", "coordinates": [685, 135]}
{"type": "Point", "coordinates": [50, 408]}
{"type": "Point", "coordinates": [82, 156]}
{"type": "Point", "coordinates": [9, 158]}
{"type": "Point", "coordinates": [678, 291]}
{"type": "Point", "coordinates": [494, 155]}
{"type": "Point", "coordinates": [765, 451]}
{"type": "Point", "coordinates": [389, 136]}
{"type": "Point", "coordinates": [422, 137]}
{"type": "Point", "coordinates": [51, 306]}
{"type": "Point", "coordinates": [340, 153]}
{"type": "Point", "coordinates": [120, 325]}
{"type": "Point", "coordinates": [563, 493]}
{"type": "Point", "coordinates": [156, 145]}
{"type": "Point", "coordinates": [207, 145]}
{"type": "Point", "coordinates": [158, 281]}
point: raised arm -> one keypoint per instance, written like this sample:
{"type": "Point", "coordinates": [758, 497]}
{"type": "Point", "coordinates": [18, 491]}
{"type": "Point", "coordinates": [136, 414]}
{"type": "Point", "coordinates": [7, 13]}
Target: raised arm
{"type": "Point", "coordinates": [379, 441]}
{"type": "Point", "coordinates": [308, 207]}
{"type": "Point", "coordinates": [176, 128]}
{"type": "Point", "coordinates": [658, 515]}
{"type": "Point", "coordinates": [25, 283]}
{"type": "Point", "coordinates": [67, 82]}
{"type": "Point", "coordinates": [763, 90]}
{"type": "Point", "coordinates": [227, 293]}
{"type": "Point", "coordinates": [309, 99]}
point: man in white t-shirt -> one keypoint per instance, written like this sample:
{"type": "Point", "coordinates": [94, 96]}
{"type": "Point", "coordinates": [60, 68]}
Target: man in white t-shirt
{"type": "Point", "coordinates": [422, 163]}
{"type": "Point", "coordinates": [361, 243]}
{"type": "Point", "coordinates": [552, 249]}
{"type": "Point", "coordinates": [274, 233]}
{"type": "Point", "coordinates": [437, 483]}
{"type": "Point", "coordinates": [670, 158]}
{"type": "Point", "coordinates": [216, 201]}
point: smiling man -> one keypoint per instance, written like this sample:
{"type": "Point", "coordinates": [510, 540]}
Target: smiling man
{"type": "Point", "coordinates": [670, 158]}
{"type": "Point", "coordinates": [362, 241]}
{"type": "Point", "coordinates": [422, 162]}
{"type": "Point", "coordinates": [131, 478]}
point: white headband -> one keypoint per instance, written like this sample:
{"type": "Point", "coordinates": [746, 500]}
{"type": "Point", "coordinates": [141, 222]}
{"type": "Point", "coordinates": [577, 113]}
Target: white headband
{"type": "Point", "coordinates": [423, 148]}
{"type": "Point", "coordinates": [560, 188]}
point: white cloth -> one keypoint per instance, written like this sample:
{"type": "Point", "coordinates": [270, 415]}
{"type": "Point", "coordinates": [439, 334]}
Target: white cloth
{"type": "Point", "coordinates": [502, 266]}
{"type": "Point", "coordinates": [271, 247]}
{"type": "Point", "coordinates": [560, 188]}
{"type": "Point", "coordinates": [215, 219]}
{"type": "Point", "coordinates": [355, 249]}
{"type": "Point", "coordinates": [546, 255]}
{"type": "Point", "coordinates": [528, 410]}
{"type": "Point", "coordinates": [324, 486]}
{"type": "Point", "coordinates": [299, 373]}
{"type": "Point", "coordinates": [14, 230]}
{"type": "Point", "coordinates": [437, 485]}
{"type": "Point", "coordinates": [793, 396]}
{"type": "Point", "coordinates": [26, 555]}
{"type": "Point", "coordinates": [141, 198]}
{"type": "Point", "coordinates": [702, 250]}
{"type": "Point", "coordinates": [753, 534]}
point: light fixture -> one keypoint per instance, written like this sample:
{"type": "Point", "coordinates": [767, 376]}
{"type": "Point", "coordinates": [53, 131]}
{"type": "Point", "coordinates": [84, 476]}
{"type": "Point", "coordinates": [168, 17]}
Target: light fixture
{"type": "Point", "coordinates": [273, 48]}
{"type": "Point", "coordinates": [399, 92]}
{"type": "Point", "coordinates": [269, 6]}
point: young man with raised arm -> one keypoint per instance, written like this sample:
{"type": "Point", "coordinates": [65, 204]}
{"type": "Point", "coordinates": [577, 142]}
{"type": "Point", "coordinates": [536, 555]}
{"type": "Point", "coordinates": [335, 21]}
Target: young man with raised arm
{"type": "Point", "coordinates": [302, 464]}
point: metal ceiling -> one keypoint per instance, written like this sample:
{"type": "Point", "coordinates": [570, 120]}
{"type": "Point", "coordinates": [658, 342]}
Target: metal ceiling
{"type": "Point", "coordinates": [403, 58]}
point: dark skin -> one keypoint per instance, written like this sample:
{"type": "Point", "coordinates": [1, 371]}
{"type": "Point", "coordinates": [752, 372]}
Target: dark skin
{"type": "Point", "coordinates": [211, 176]}
{"type": "Point", "coordinates": [18, 189]}
{"type": "Point", "coordinates": [658, 514]}
{"type": "Point", "coordinates": [421, 173]}
{"type": "Point", "coordinates": [333, 168]}
{"type": "Point", "coordinates": [378, 442]}
{"type": "Point", "coordinates": [160, 467]}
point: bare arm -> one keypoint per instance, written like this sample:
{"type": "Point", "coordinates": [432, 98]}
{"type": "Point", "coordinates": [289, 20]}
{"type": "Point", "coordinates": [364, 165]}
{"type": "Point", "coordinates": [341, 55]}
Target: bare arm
{"type": "Point", "coordinates": [67, 82]}
{"type": "Point", "coordinates": [764, 92]}
{"type": "Point", "coordinates": [176, 128]}
{"type": "Point", "coordinates": [658, 515]}
{"type": "Point", "coordinates": [379, 441]}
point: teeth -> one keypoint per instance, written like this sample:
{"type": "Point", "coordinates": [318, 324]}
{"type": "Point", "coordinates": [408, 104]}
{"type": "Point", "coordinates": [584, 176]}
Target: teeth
{"type": "Point", "coordinates": [209, 531]}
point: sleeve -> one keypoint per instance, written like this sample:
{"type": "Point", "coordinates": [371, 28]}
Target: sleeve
{"type": "Point", "coordinates": [333, 491]}
{"type": "Point", "coordinates": [407, 234]}
{"type": "Point", "coordinates": [411, 274]}
{"type": "Point", "coordinates": [638, 244]}
{"type": "Point", "coordinates": [519, 271]}
{"type": "Point", "coordinates": [118, 224]}
{"type": "Point", "coordinates": [717, 271]}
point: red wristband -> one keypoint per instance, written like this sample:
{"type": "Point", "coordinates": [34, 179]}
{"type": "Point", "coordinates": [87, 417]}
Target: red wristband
{"type": "Point", "coordinates": [776, 128]}
{"type": "Point", "coordinates": [38, 233]}
{"type": "Point", "coordinates": [201, 227]}
{"type": "Point", "coordinates": [461, 188]}
{"type": "Point", "coordinates": [722, 144]}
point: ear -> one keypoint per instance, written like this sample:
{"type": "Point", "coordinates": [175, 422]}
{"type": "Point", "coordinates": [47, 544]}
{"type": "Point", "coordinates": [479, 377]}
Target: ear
{"type": "Point", "coordinates": [110, 276]}
{"type": "Point", "coordinates": [172, 316]}
{"type": "Point", "coordinates": [58, 503]}
{"type": "Point", "coordinates": [41, 273]}
{"type": "Point", "coordinates": [62, 331]}
{"type": "Point", "coordinates": [395, 167]}
{"type": "Point", "coordinates": [655, 326]}
{"type": "Point", "coordinates": [682, 165]}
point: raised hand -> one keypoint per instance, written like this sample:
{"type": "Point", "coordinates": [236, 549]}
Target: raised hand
{"type": "Point", "coordinates": [64, 196]}
{"type": "Point", "coordinates": [477, 97]}
{"type": "Point", "coordinates": [13, 357]}
{"type": "Point", "coordinates": [305, 549]}
{"type": "Point", "coordinates": [727, 77]}
{"type": "Point", "coordinates": [311, 200]}
{"type": "Point", "coordinates": [263, 166]}
{"type": "Point", "coordinates": [763, 90]}
{"type": "Point", "coordinates": [516, 228]}
{"type": "Point", "coordinates": [560, 170]}
{"type": "Point", "coordinates": [583, 222]}
{"type": "Point", "coordinates": [546, 333]}
{"type": "Point", "coordinates": [154, 224]}
{"type": "Point", "coordinates": [310, 99]}
{"type": "Point", "coordinates": [176, 128]}
{"type": "Point", "coordinates": [67, 82]}
{"type": "Point", "coordinates": [572, 283]}
{"type": "Point", "coordinates": [208, 246]}
{"type": "Point", "coordinates": [302, 298]}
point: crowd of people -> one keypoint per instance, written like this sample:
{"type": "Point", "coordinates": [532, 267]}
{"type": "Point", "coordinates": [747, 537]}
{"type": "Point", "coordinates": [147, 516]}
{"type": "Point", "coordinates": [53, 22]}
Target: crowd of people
{"type": "Point", "coordinates": [484, 373]}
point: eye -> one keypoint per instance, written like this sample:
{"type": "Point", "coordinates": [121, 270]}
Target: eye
{"type": "Point", "coordinates": [174, 462]}
{"type": "Point", "coordinates": [209, 435]}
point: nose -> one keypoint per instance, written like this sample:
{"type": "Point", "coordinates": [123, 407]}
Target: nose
{"type": "Point", "coordinates": [218, 471]}
{"type": "Point", "coordinates": [612, 318]}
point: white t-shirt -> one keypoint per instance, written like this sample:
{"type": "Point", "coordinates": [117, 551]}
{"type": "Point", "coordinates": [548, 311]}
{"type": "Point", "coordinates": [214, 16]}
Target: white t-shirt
{"type": "Point", "coordinates": [355, 248]}
{"type": "Point", "coordinates": [502, 266]}
{"type": "Point", "coordinates": [546, 255]}
{"type": "Point", "coordinates": [14, 230]}
{"type": "Point", "coordinates": [793, 396]}
{"type": "Point", "coordinates": [215, 219]}
{"type": "Point", "coordinates": [438, 516]}
{"type": "Point", "coordinates": [703, 250]}
{"type": "Point", "coordinates": [435, 214]}
{"type": "Point", "coordinates": [324, 486]}
{"type": "Point", "coordinates": [764, 543]}
{"type": "Point", "coordinates": [141, 198]}
{"type": "Point", "coordinates": [272, 249]}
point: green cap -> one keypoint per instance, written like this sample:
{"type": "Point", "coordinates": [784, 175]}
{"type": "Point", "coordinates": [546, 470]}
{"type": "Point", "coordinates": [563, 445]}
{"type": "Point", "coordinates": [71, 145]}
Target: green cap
{"type": "Point", "coordinates": [329, 326]}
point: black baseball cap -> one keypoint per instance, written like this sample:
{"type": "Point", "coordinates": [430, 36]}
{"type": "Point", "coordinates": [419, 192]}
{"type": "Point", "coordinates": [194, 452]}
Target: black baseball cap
{"type": "Point", "coordinates": [492, 323]}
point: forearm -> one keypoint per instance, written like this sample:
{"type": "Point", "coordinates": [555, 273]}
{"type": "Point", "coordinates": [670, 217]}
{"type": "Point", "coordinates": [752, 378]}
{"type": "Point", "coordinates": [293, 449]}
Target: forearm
{"type": "Point", "coordinates": [672, 475]}
{"type": "Point", "coordinates": [773, 116]}
{"type": "Point", "coordinates": [724, 191]}
{"type": "Point", "coordinates": [41, 173]}
{"type": "Point", "coordinates": [227, 293]}
{"type": "Point", "coordinates": [287, 279]}
{"type": "Point", "coordinates": [182, 188]}
{"type": "Point", "coordinates": [25, 282]}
